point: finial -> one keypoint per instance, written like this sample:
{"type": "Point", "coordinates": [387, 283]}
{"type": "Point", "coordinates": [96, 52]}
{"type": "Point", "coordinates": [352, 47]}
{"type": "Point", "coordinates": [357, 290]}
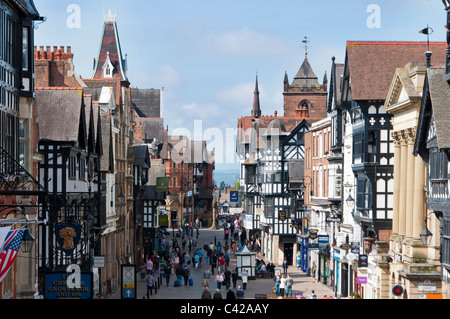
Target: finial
{"type": "Point", "coordinates": [305, 41]}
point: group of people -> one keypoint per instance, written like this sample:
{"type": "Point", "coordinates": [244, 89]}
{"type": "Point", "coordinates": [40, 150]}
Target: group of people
{"type": "Point", "coordinates": [283, 285]}
{"type": "Point", "coordinates": [227, 279]}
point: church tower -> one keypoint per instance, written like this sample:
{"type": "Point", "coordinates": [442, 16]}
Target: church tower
{"type": "Point", "coordinates": [256, 110]}
{"type": "Point", "coordinates": [305, 97]}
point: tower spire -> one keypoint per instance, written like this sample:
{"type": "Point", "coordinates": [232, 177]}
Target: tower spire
{"type": "Point", "coordinates": [256, 111]}
{"type": "Point", "coordinates": [305, 41]}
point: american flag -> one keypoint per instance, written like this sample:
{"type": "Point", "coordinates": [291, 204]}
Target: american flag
{"type": "Point", "coordinates": [9, 251]}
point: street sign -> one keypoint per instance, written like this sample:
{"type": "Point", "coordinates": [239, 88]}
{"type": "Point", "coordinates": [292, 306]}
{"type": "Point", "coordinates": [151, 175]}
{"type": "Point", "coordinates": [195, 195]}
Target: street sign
{"type": "Point", "coordinates": [234, 196]}
{"type": "Point", "coordinates": [397, 290]}
{"type": "Point", "coordinates": [128, 287]}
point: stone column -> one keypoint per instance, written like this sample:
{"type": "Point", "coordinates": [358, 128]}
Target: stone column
{"type": "Point", "coordinates": [397, 163]}
{"type": "Point", "coordinates": [403, 181]}
{"type": "Point", "coordinates": [410, 183]}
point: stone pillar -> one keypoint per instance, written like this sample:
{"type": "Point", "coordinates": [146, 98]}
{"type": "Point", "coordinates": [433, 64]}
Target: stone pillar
{"type": "Point", "coordinates": [410, 181]}
{"type": "Point", "coordinates": [402, 192]}
{"type": "Point", "coordinates": [397, 163]}
{"type": "Point", "coordinates": [419, 197]}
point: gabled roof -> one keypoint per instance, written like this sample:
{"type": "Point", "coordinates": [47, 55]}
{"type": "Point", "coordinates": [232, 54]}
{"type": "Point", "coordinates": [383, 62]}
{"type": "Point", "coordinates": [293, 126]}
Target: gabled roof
{"type": "Point", "coordinates": [147, 102]}
{"type": "Point", "coordinates": [335, 88]}
{"type": "Point", "coordinates": [110, 47]}
{"type": "Point", "coordinates": [435, 105]}
{"type": "Point", "coordinates": [305, 76]}
{"type": "Point", "coordinates": [60, 115]}
{"type": "Point", "coordinates": [371, 65]}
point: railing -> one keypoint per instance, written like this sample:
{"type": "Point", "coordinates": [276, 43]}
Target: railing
{"type": "Point", "coordinates": [439, 189]}
{"type": "Point", "coordinates": [15, 179]}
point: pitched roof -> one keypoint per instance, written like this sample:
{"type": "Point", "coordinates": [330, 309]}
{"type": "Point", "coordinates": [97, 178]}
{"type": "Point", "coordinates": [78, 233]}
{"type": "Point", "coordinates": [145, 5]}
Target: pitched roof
{"type": "Point", "coordinates": [440, 97]}
{"type": "Point", "coordinates": [110, 47]}
{"type": "Point", "coordinates": [58, 113]}
{"type": "Point", "coordinates": [305, 76]}
{"type": "Point", "coordinates": [147, 102]}
{"type": "Point", "coordinates": [372, 64]}
{"type": "Point", "coordinates": [152, 128]}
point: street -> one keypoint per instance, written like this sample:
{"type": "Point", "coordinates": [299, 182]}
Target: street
{"type": "Point", "coordinates": [260, 286]}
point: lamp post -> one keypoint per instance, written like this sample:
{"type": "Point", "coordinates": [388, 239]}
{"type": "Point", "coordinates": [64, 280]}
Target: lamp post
{"type": "Point", "coordinates": [426, 235]}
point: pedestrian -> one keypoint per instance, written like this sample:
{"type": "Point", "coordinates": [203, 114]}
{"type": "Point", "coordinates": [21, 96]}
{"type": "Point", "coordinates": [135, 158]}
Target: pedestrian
{"type": "Point", "coordinates": [313, 295]}
{"type": "Point", "coordinates": [219, 280]}
{"type": "Point", "coordinates": [282, 285]}
{"type": "Point", "coordinates": [149, 266]}
{"type": "Point", "coordinates": [240, 294]}
{"type": "Point", "coordinates": [206, 277]}
{"type": "Point", "coordinates": [167, 272]}
{"type": "Point", "coordinates": [179, 272]}
{"type": "Point", "coordinates": [150, 284]}
{"type": "Point", "coordinates": [186, 275]}
{"type": "Point", "coordinates": [244, 277]}
{"type": "Point", "coordinates": [221, 263]}
{"type": "Point", "coordinates": [289, 284]}
{"type": "Point", "coordinates": [200, 257]}
{"type": "Point", "coordinates": [230, 294]}
{"type": "Point", "coordinates": [206, 294]}
{"type": "Point", "coordinates": [285, 266]}
{"type": "Point", "coordinates": [227, 278]}
{"type": "Point", "coordinates": [277, 283]}
{"type": "Point", "coordinates": [313, 272]}
{"type": "Point", "coordinates": [217, 294]}
{"type": "Point", "coordinates": [213, 261]}
{"type": "Point", "coordinates": [234, 277]}
{"type": "Point", "coordinates": [196, 260]}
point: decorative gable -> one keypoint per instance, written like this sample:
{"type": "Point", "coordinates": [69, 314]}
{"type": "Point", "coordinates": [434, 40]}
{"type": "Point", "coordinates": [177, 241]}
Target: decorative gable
{"type": "Point", "coordinates": [108, 67]}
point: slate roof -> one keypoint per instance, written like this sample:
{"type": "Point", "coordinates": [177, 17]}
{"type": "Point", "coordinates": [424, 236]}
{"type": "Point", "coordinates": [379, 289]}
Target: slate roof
{"type": "Point", "coordinates": [372, 64]}
{"type": "Point", "coordinates": [107, 160]}
{"type": "Point", "coordinates": [305, 76]}
{"type": "Point", "coordinates": [152, 128]}
{"type": "Point", "coordinates": [110, 43]}
{"type": "Point", "coordinates": [147, 102]}
{"type": "Point", "coordinates": [58, 113]}
{"type": "Point", "coordinates": [440, 103]}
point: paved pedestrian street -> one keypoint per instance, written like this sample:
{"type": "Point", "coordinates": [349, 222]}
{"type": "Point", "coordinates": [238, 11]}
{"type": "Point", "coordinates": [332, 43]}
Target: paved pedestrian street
{"type": "Point", "coordinates": [260, 286]}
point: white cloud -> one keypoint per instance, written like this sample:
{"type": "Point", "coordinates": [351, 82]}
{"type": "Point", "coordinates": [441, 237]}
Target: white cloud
{"type": "Point", "coordinates": [167, 76]}
{"type": "Point", "coordinates": [240, 42]}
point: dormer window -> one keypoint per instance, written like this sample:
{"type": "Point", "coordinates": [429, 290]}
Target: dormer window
{"type": "Point", "coordinates": [108, 67]}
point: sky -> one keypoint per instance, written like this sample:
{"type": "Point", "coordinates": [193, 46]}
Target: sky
{"type": "Point", "coordinates": [206, 54]}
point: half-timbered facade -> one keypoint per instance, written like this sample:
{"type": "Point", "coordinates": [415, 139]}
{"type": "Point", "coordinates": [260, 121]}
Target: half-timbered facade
{"type": "Point", "coordinates": [68, 125]}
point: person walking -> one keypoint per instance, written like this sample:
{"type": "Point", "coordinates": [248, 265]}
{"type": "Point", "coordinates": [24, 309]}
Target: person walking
{"type": "Point", "coordinates": [282, 285]}
{"type": "Point", "coordinates": [206, 277]}
{"type": "Point", "coordinates": [186, 275]}
{"type": "Point", "coordinates": [285, 266]}
{"type": "Point", "coordinates": [234, 277]}
{"type": "Point", "coordinates": [217, 294]}
{"type": "Point", "coordinates": [227, 278]}
{"type": "Point", "coordinates": [206, 294]}
{"type": "Point", "coordinates": [219, 280]}
{"type": "Point", "coordinates": [230, 294]}
{"type": "Point", "coordinates": [150, 284]}
{"type": "Point", "coordinates": [167, 272]}
{"type": "Point", "coordinates": [240, 293]}
{"type": "Point", "coordinates": [289, 284]}
{"type": "Point", "coordinates": [244, 277]}
{"type": "Point", "coordinates": [277, 283]}
{"type": "Point", "coordinates": [149, 266]}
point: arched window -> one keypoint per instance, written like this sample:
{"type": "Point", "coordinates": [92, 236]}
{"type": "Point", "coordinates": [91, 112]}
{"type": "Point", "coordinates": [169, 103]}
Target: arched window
{"type": "Point", "coordinates": [304, 108]}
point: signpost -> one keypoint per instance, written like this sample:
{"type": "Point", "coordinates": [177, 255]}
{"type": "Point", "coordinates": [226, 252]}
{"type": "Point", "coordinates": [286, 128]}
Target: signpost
{"type": "Point", "coordinates": [128, 290]}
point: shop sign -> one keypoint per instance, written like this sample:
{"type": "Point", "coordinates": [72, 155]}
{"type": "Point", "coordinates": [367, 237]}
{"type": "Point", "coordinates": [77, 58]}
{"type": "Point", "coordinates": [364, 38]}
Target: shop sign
{"type": "Point", "coordinates": [361, 280]}
{"type": "Point", "coordinates": [363, 261]}
{"type": "Point", "coordinates": [427, 286]}
{"type": "Point", "coordinates": [99, 261]}
{"type": "Point", "coordinates": [355, 248]}
{"type": "Point", "coordinates": [282, 215]}
{"type": "Point", "coordinates": [57, 287]}
{"type": "Point", "coordinates": [313, 233]}
{"type": "Point", "coordinates": [324, 239]}
{"type": "Point", "coordinates": [336, 255]}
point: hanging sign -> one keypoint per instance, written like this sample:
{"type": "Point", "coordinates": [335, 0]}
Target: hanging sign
{"type": "Point", "coordinates": [68, 237]}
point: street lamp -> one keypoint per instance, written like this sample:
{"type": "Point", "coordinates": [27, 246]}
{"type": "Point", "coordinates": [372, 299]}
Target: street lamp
{"type": "Point", "coordinates": [426, 235]}
{"type": "Point", "coordinates": [121, 195]}
{"type": "Point", "coordinates": [350, 200]}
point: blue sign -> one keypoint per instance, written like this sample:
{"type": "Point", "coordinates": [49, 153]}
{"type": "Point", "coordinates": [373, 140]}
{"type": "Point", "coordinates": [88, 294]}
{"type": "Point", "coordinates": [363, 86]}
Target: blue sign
{"type": "Point", "coordinates": [190, 193]}
{"type": "Point", "coordinates": [56, 286]}
{"type": "Point", "coordinates": [304, 255]}
{"type": "Point", "coordinates": [68, 237]}
{"type": "Point", "coordinates": [234, 196]}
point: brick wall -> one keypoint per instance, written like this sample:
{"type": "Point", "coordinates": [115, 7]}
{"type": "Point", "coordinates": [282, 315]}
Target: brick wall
{"type": "Point", "coordinates": [54, 67]}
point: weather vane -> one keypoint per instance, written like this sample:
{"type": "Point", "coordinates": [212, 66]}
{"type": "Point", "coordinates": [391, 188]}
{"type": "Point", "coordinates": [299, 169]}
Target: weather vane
{"type": "Point", "coordinates": [305, 41]}
{"type": "Point", "coordinates": [427, 31]}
